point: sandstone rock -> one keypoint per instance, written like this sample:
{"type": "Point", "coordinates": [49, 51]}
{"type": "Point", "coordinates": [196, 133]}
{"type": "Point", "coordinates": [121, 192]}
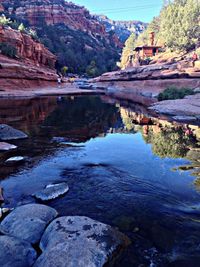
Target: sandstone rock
{"type": "Point", "coordinates": [9, 133]}
{"type": "Point", "coordinates": [16, 253]}
{"type": "Point", "coordinates": [52, 191]}
{"type": "Point", "coordinates": [27, 47]}
{"type": "Point", "coordinates": [6, 146]}
{"type": "Point", "coordinates": [189, 106]}
{"type": "Point", "coordinates": [28, 222]}
{"type": "Point", "coordinates": [79, 241]}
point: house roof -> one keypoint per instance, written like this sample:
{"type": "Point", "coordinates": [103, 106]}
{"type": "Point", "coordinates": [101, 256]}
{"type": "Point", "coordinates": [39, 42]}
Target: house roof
{"type": "Point", "coordinates": [147, 46]}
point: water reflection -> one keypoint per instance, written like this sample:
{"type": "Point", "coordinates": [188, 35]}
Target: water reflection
{"type": "Point", "coordinates": [128, 168]}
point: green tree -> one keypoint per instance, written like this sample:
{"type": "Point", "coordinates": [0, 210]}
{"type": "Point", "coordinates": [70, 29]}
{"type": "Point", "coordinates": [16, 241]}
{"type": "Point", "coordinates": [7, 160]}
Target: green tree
{"type": "Point", "coordinates": [4, 20]}
{"type": "Point", "coordinates": [21, 27]}
{"type": "Point", "coordinates": [64, 70]}
{"type": "Point", "coordinates": [127, 50]}
{"type": "Point", "coordinates": [92, 69]}
{"type": "Point", "coordinates": [180, 25]}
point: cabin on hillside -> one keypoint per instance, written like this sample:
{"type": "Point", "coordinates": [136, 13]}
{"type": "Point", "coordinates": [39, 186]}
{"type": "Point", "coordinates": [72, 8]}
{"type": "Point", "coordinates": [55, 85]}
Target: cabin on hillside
{"type": "Point", "coordinates": [147, 51]}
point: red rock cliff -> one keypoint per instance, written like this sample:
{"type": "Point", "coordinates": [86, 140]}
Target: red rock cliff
{"type": "Point", "coordinates": [27, 48]}
{"type": "Point", "coordinates": [54, 12]}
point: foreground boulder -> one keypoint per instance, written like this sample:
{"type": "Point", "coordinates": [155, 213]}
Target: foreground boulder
{"type": "Point", "coordinates": [9, 133]}
{"type": "Point", "coordinates": [6, 146]}
{"type": "Point", "coordinates": [78, 242]}
{"type": "Point", "coordinates": [189, 107]}
{"type": "Point", "coordinates": [16, 253]}
{"type": "Point", "coordinates": [28, 222]}
{"type": "Point", "coordinates": [52, 191]}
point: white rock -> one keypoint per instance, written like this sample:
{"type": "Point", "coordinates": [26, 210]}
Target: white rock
{"type": "Point", "coordinates": [15, 159]}
{"type": "Point", "coordinates": [52, 191]}
{"type": "Point", "coordinates": [77, 241]}
{"type": "Point", "coordinates": [6, 146]}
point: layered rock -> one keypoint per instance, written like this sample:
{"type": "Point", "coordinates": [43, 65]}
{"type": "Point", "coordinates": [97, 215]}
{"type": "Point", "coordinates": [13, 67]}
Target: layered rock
{"type": "Point", "coordinates": [151, 72]}
{"type": "Point", "coordinates": [23, 74]}
{"type": "Point", "coordinates": [27, 48]}
{"type": "Point", "coordinates": [55, 12]}
{"type": "Point", "coordinates": [122, 29]}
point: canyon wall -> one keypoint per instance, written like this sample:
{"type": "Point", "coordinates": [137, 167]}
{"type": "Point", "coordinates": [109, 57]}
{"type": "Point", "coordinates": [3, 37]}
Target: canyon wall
{"type": "Point", "coordinates": [27, 48]}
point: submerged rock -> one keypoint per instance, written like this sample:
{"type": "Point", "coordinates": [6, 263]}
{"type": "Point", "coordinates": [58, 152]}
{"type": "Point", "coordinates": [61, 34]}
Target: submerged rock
{"type": "Point", "coordinates": [52, 191]}
{"type": "Point", "coordinates": [6, 146]}
{"type": "Point", "coordinates": [15, 159]}
{"type": "Point", "coordinates": [16, 253]}
{"type": "Point", "coordinates": [79, 241]}
{"type": "Point", "coordinates": [9, 133]}
{"type": "Point", "coordinates": [28, 222]}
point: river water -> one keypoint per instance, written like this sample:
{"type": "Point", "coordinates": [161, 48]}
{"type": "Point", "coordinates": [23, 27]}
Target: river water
{"type": "Point", "coordinates": [124, 167]}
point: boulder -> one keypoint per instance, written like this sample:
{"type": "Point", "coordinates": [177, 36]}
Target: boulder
{"type": "Point", "coordinates": [28, 222]}
{"type": "Point", "coordinates": [52, 191]}
{"type": "Point", "coordinates": [6, 146]}
{"type": "Point", "coordinates": [9, 133]}
{"type": "Point", "coordinates": [16, 253]}
{"type": "Point", "coordinates": [79, 241]}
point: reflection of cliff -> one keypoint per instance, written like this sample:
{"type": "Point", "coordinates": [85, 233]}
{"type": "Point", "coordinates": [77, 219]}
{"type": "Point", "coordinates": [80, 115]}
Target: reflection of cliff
{"type": "Point", "coordinates": [26, 114]}
{"type": "Point", "coordinates": [82, 118]}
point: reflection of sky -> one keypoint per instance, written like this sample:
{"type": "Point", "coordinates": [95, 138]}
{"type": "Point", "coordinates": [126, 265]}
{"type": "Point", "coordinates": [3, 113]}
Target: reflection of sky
{"type": "Point", "coordinates": [143, 10]}
{"type": "Point", "coordinates": [122, 153]}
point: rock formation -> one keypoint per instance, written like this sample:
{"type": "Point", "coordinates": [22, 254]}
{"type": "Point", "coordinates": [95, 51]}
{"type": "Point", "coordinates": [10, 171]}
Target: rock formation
{"type": "Point", "coordinates": [69, 31]}
{"type": "Point", "coordinates": [27, 48]}
{"type": "Point", "coordinates": [122, 29]}
{"type": "Point", "coordinates": [55, 12]}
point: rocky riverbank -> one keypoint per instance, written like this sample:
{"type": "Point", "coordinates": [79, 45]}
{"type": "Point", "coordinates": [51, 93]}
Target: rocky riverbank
{"type": "Point", "coordinates": [23, 75]}
{"type": "Point", "coordinates": [30, 229]}
{"type": "Point", "coordinates": [64, 241]}
{"type": "Point", "coordinates": [143, 84]}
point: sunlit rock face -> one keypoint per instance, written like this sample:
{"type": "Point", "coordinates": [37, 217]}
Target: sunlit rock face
{"type": "Point", "coordinates": [27, 48]}
{"type": "Point", "coordinates": [56, 12]}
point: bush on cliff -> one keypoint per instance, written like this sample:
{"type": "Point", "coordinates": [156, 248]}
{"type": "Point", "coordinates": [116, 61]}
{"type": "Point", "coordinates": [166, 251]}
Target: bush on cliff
{"type": "Point", "coordinates": [174, 93]}
{"type": "Point", "coordinates": [8, 50]}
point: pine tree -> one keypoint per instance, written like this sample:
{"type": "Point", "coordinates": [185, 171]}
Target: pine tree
{"type": "Point", "coordinates": [127, 50]}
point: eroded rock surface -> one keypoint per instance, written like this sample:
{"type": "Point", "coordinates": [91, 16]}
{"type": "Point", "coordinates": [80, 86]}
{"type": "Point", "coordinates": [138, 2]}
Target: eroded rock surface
{"type": "Point", "coordinates": [16, 253]}
{"type": "Point", "coordinates": [189, 107]}
{"type": "Point", "coordinates": [52, 191]}
{"type": "Point", "coordinates": [9, 133]}
{"type": "Point", "coordinates": [28, 222]}
{"type": "Point", "coordinates": [79, 241]}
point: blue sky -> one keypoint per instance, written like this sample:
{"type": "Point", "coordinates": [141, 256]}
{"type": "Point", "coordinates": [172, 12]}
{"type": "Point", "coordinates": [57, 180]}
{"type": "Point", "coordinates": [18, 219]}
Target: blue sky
{"type": "Point", "coordinates": [143, 10]}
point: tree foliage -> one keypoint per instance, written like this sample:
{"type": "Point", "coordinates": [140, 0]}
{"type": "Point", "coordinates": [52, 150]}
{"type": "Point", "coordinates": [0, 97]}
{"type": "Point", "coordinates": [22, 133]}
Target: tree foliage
{"type": "Point", "coordinates": [127, 50]}
{"type": "Point", "coordinates": [4, 20]}
{"type": "Point", "coordinates": [180, 24]}
{"type": "Point", "coordinates": [177, 27]}
{"type": "Point", "coordinates": [174, 93]}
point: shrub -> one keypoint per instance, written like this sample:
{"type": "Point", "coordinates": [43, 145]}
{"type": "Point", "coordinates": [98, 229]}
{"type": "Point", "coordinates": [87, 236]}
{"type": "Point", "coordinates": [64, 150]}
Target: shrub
{"type": "Point", "coordinates": [8, 50]}
{"type": "Point", "coordinates": [174, 93]}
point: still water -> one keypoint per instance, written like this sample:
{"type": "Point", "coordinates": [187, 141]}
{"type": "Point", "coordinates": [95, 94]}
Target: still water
{"type": "Point", "coordinates": [124, 167]}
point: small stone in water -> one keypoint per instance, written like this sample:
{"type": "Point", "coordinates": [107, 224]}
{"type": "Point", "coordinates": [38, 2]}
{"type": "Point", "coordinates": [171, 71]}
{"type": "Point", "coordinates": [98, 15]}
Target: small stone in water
{"type": "Point", "coordinates": [52, 191]}
{"type": "Point", "coordinates": [6, 146]}
{"type": "Point", "coordinates": [15, 159]}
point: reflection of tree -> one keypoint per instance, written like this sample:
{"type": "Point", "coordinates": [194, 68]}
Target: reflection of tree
{"type": "Point", "coordinates": [169, 142]}
{"type": "Point", "coordinates": [82, 117]}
